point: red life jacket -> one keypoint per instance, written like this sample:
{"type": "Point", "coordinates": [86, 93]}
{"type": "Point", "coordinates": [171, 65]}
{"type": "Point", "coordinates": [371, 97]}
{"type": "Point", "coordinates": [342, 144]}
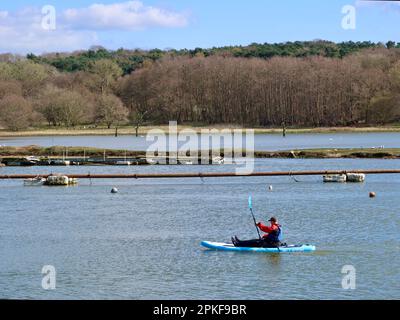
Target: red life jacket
{"type": "Point", "coordinates": [273, 233]}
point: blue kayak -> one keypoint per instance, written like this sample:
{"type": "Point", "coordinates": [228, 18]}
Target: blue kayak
{"type": "Point", "coordinates": [284, 249]}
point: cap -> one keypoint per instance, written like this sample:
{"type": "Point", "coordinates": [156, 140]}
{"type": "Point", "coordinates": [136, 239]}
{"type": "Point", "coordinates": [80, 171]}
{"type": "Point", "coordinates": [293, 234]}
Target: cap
{"type": "Point", "coordinates": [273, 219]}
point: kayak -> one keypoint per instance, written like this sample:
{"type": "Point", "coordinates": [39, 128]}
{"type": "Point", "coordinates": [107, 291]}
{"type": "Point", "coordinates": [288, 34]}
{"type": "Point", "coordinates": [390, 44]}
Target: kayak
{"type": "Point", "coordinates": [284, 249]}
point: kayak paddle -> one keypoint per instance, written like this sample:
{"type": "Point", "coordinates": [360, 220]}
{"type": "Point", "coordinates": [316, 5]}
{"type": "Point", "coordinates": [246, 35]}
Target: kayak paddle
{"type": "Point", "coordinates": [254, 219]}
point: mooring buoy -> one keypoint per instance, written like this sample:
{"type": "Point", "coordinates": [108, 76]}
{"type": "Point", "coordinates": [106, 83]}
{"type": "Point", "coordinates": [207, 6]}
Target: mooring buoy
{"type": "Point", "coordinates": [114, 190]}
{"type": "Point", "coordinates": [270, 188]}
{"type": "Point", "coordinates": [372, 194]}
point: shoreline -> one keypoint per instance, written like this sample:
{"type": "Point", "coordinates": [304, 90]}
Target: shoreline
{"type": "Point", "coordinates": [125, 131]}
{"type": "Point", "coordinates": [87, 152]}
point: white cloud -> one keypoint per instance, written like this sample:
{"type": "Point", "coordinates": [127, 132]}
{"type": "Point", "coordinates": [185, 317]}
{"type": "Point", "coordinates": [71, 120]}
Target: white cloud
{"type": "Point", "coordinates": [22, 31]}
{"type": "Point", "coordinates": [131, 15]}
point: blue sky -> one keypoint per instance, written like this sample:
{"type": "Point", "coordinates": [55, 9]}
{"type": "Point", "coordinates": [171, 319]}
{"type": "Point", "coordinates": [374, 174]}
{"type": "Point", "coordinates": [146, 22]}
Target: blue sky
{"type": "Point", "coordinates": [188, 23]}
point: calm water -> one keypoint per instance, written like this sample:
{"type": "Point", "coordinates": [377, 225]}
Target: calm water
{"type": "Point", "coordinates": [143, 243]}
{"type": "Point", "coordinates": [263, 142]}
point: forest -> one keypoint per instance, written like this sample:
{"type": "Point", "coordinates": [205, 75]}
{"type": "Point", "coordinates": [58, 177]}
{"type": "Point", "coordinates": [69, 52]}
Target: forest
{"type": "Point", "coordinates": [300, 84]}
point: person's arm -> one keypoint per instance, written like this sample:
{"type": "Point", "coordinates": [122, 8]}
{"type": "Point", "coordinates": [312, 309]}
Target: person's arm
{"type": "Point", "coordinates": [264, 228]}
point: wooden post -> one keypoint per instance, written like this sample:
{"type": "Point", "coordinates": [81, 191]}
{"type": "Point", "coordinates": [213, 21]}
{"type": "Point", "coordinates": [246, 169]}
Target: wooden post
{"type": "Point", "coordinates": [284, 129]}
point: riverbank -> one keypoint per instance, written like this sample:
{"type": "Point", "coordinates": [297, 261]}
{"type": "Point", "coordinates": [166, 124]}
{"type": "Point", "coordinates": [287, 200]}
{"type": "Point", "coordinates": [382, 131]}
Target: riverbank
{"type": "Point", "coordinates": [81, 131]}
{"type": "Point", "coordinates": [360, 153]}
{"type": "Point", "coordinates": [81, 152]}
{"type": "Point", "coordinates": [66, 152]}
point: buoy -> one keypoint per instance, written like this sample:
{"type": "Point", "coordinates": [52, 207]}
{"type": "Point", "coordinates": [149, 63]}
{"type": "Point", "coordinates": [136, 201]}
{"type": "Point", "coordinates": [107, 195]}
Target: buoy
{"type": "Point", "coordinates": [114, 190]}
{"type": "Point", "coordinates": [270, 188]}
{"type": "Point", "coordinates": [372, 194]}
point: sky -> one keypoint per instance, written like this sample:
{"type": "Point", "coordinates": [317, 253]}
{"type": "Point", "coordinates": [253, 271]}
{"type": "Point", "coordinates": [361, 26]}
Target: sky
{"type": "Point", "coordinates": [30, 26]}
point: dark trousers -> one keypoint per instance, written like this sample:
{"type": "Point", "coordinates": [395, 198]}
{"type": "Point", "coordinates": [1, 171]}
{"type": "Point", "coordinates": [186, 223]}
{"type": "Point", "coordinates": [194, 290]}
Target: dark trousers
{"type": "Point", "coordinates": [257, 243]}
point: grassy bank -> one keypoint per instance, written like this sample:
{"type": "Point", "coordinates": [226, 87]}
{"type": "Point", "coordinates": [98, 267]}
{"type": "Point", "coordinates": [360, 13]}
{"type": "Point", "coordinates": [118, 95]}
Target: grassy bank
{"type": "Point", "coordinates": [60, 151]}
{"type": "Point", "coordinates": [144, 130]}
{"type": "Point", "coordinates": [333, 153]}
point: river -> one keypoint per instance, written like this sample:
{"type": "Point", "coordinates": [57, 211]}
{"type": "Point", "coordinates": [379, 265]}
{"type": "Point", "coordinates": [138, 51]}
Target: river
{"type": "Point", "coordinates": [262, 142]}
{"type": "Point", "coordinates": [144, 242]}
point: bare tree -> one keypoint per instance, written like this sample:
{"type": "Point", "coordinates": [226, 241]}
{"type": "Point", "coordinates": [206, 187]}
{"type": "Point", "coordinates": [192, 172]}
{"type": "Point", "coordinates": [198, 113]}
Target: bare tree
{"type": "Point", "coordinates": [361, 88]}
{"type": "Point", "coordinates": [15, 112]}
{"type": "Point", "coordinates": [106, 73]}
{"type": "Point", "coordinates": [64, 107]}
{"type": "Point", "coordinates": [109, 110]}
{"type": "Point", "coordinates": [10, 87]}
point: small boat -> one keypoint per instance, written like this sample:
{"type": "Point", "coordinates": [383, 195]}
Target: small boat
{"type": "Point", "coordinates": [32, 158]}
{"type": "Point", "coordinates": [335, 178]}
{"type": "Point", "coordinates": [44, 162]}
{"type": "Point", "coordinates": [60, 163]}
{"type": "Point", "coordinates": [186, 162]}
{"type": "Point", "coordinates": [123, 163]}
{"type": "Point", "coordinates": [13, 163]}
{"type": "Point", "coordinates": [21, 163]}
{"type": "Point", "coordinates": [283, 249]}
{"type": "Point", "coordinates": [218, 160]}
{"type": "Point", "coordinates": [34, 182]}
{"type": "Point", "coordinates": [151, 161]}
{"type": "Point", "coordinates": [72, 181]}
{"type": "Point", "coordinates": [57, 180]}
{"type": "Point", "coordinates": [355, 177]}
{"type": "Point", "coordinates": [29, 161]}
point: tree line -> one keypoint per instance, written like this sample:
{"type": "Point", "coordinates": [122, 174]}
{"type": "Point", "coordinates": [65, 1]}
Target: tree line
{"type": "Point", "coordinates": [131, 60]}
{"type": "Point", "coordinates": [359, 88]}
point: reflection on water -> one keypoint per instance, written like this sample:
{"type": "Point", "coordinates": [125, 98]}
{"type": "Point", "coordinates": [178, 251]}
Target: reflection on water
{"type": "Point", "coordinates": [144, 242]}
{"type": "Point", "coordinates": [274, 259]}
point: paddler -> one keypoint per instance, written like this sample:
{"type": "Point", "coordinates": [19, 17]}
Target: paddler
{"type": "Point", "coordinates": [271, 239]}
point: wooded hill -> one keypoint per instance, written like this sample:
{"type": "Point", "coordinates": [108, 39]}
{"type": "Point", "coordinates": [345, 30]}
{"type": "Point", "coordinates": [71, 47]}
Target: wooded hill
{"type": "Point", "coordinates": [302, 84]}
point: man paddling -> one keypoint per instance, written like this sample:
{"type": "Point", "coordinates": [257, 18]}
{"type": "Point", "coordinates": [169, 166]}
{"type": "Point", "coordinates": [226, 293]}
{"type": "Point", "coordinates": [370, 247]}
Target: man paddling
{"type": "Point", "coordinates": [271, 238]}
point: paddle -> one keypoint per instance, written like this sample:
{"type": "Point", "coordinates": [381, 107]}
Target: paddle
{"type": "Point", "coordinates": [254, 219]}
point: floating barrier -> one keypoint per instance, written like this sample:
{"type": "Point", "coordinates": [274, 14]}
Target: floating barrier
{"type": "Point", "coordinates": [207, 175]}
